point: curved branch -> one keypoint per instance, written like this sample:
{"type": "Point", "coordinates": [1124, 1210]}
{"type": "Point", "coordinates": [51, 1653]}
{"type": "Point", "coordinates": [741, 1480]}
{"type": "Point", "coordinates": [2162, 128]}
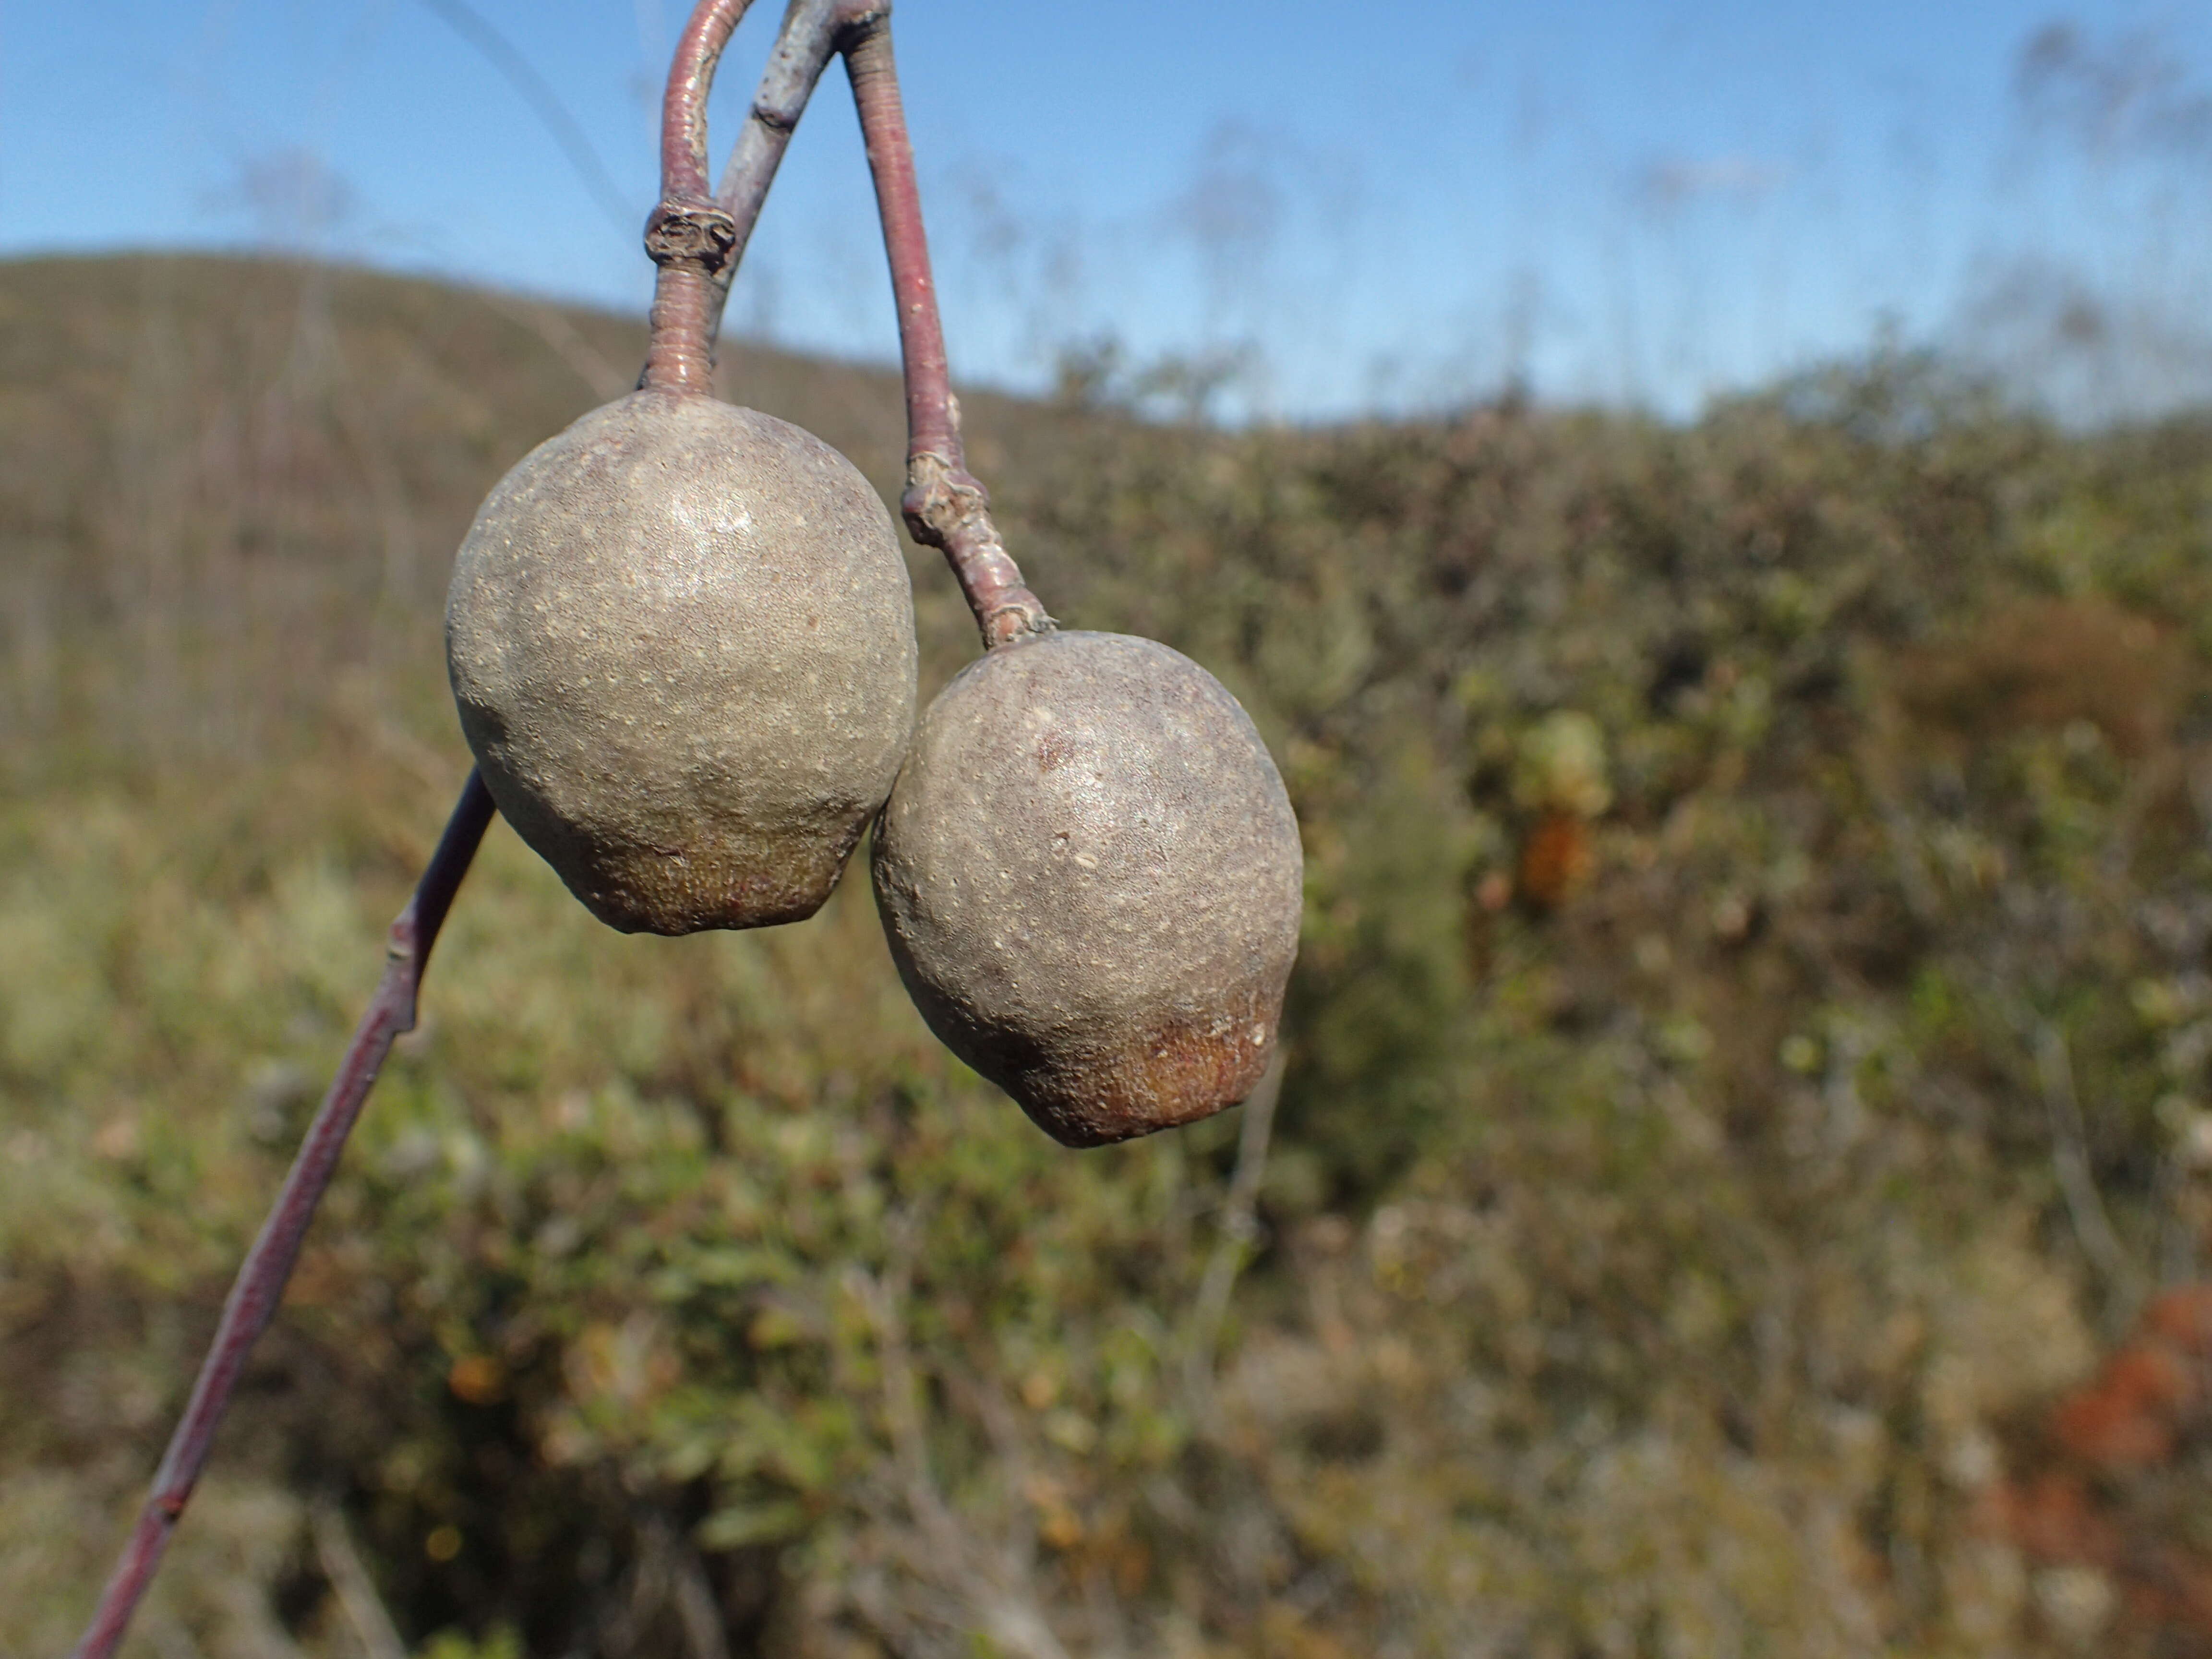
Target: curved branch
{"type": "Point", "coordinates": [944, 505]}
{"type": "Point", "coordinates": [684, 103]}
{"type": "Point", "coordinates": [803, 46]}
{"type": "Point", "coordinates": [688, 235]}
{"type": "Point", "coordinates": [259, 1287]}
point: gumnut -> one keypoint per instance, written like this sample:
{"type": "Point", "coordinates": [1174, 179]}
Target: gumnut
{"type": "Point", "coordinates": [681, 637]}
{"type": "Point", "coordinates": [1091, 878]}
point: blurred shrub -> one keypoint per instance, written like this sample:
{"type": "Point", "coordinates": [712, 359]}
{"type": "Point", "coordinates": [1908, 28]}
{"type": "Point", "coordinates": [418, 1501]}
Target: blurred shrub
{"type": "Point", "coordinates": [1685, 1251]}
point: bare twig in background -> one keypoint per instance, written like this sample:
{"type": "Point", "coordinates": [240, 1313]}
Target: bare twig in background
{"type": "Point", "coordinates": [386, 489]}
{"type": "Point", "coordinates": [1238, 1234]}
{"type": "Point", "coordinates": [357, 1592]}
{"type": "Point", "coordinates": [667, 1574]}
{"type": "Point", "coordinates": [2070, 1157]}
{"type": "Point", "coordinates": [976, 1589]}
{"type": "Point", "coordinates": [704, 1637]}
{"type": "Point", "coordinates": [544, 103]}
{"type": "Point", "coordinates": [606, 379]}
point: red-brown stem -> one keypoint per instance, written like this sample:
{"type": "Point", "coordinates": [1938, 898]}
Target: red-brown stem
{"type": "Point", "coordinates": [688, 235]}
{"type": "Point", "coordinates": [683, 104]}
{"type": "Point", "coordinates": [679, 355]}
{"type": "Point", "coordinates": [259, 1287]}
{"type": "Point", "coordinates": [684, 313]}
{"type": "Point", "coordinates": [944, 505]}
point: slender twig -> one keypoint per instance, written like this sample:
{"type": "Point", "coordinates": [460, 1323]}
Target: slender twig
{"type": "Point", "coordinates": [683, 102]}
{"type": "Point", "coordinates": [356, 1591]}
{"type": "Point", "coordinates": [696, 238]}
{"type": "Point", "coordinates": [944, 505]}
{"type": "Point", "coordinates": [553, 115]}
{"type": "Point", "coordinates": [803, 46]}
{"type": "Point", "coordinates": [805, 43]}
{"type": "Point", "coordinates": [983, 1586]}
{"type": "Point", "coordinates": [697, 244]}
{"type": "Point", "coordinates": [688, 235]}
{"type": "Point", "coordinates": [259, 1287]}
{"type": "Point", "coordinates": [1233, 1246]}
{"type": "Point", "coordinates": [2070, 1161]}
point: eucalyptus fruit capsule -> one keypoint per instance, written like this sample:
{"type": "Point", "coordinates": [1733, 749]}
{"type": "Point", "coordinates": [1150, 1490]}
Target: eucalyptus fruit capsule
{"type": "Point", "coordinates": [1090, 880]}
{"type": "Point", "coordinates": [681, 637]}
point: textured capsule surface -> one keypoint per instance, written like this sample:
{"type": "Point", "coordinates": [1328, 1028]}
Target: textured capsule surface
{"type": "Point", "coordinates": [681, 637]}
{"type": "Point", "coordinates": [1091, 878]}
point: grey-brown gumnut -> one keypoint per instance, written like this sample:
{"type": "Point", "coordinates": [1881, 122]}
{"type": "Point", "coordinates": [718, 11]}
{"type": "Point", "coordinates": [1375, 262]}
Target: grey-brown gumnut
{"type": "Point", "coordinates": [681, 635]}
{"type": "Point", "coordinates": [1091, 882]}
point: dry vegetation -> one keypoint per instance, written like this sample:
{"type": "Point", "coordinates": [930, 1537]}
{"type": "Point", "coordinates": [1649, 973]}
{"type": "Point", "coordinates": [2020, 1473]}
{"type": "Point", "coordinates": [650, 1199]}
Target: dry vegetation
{"type": "Point", "coordinates": [1741, 1180]}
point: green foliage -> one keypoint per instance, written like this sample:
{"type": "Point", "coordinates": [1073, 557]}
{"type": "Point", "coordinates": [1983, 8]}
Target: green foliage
{"type": "Point", "coordinates": [1670, 1256]}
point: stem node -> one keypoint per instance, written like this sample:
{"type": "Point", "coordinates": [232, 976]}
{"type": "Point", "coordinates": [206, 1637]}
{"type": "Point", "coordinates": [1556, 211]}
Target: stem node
{"type": "Point", "coordinates": [259, 1287]}
{"type": "Point", "coordinates": [944, 506]}
{"type": "Point", "coordinates": [690, 233]}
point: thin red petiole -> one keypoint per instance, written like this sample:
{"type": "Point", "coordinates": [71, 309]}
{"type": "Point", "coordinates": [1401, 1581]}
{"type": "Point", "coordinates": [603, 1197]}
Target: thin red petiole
{"type": "Point", "coordinates": [259, 1287]}
{"type": "Point", "coordinates": [944, 505]}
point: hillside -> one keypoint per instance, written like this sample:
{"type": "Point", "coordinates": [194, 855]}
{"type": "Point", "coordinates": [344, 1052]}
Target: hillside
{"type": "Point", "coordinates": [1742, 1174]}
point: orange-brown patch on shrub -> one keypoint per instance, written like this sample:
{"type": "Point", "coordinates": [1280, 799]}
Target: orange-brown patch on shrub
{"type": "Point", "coordinates": [2050, 663]}
{"type": "Point", "coordinates": [1557, 860]}
{"type": "Point", "coordinates": [2119, 1481]}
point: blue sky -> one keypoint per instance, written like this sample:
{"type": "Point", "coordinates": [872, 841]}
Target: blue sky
{"type": "Point", "coordinates": [1389, 205]}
